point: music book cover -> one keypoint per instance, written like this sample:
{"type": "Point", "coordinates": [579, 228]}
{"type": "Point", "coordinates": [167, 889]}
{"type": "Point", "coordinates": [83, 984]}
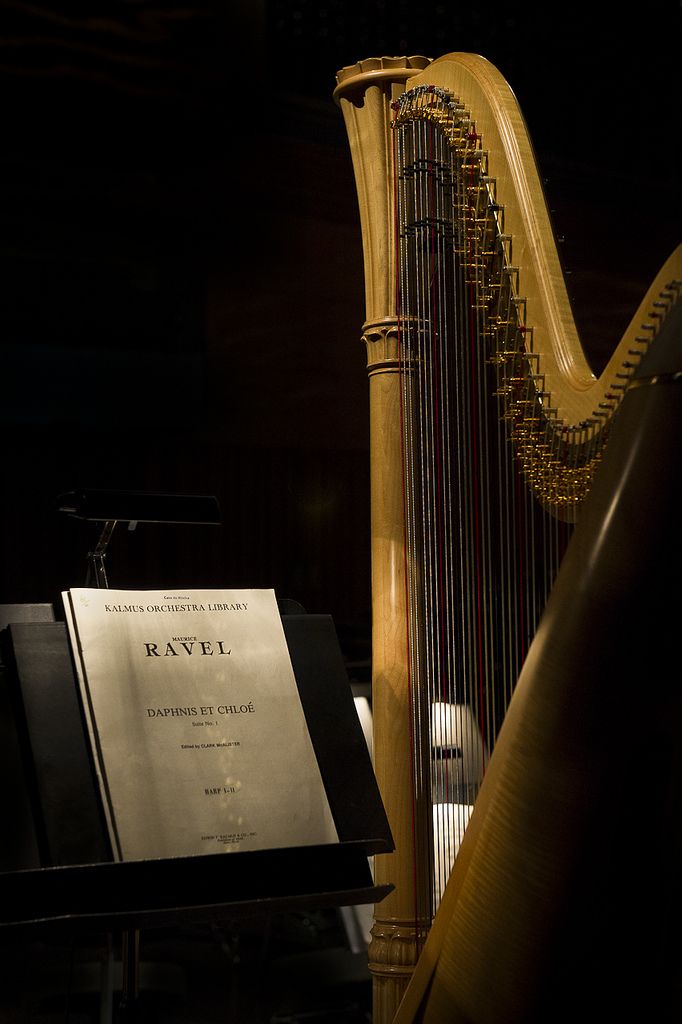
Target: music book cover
{"type": "Point", "coordinates": [197, 728]}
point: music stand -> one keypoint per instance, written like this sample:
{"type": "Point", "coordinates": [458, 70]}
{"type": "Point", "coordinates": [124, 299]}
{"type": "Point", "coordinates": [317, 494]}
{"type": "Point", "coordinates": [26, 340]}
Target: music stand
{"type": "Point", "coordinates": [79, 894]}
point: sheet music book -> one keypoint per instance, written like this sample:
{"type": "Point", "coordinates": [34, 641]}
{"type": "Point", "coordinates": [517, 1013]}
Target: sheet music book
{"type": "Point", "coordinates": [198, 733]}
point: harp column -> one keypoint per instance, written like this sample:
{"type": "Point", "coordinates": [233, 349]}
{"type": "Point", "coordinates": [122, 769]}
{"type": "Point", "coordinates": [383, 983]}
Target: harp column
{"type": "Point", "coordinates": [365, 93]}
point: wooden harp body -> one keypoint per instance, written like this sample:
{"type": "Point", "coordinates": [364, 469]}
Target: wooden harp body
{"type": "Point", "coordinates": [487, 426]}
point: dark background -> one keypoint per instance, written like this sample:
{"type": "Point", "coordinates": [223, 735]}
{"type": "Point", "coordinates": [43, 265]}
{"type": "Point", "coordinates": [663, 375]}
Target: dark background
{"type": "Point", "coordinates": [181, 292]}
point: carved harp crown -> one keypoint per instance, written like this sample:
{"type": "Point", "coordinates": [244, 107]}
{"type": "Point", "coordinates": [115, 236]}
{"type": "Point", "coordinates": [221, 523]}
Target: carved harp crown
{"type": "Point", "coordinates": [487, 427]}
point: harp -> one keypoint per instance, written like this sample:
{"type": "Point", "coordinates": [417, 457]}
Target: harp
{"type": "Point", "coordinates": [487, 426]}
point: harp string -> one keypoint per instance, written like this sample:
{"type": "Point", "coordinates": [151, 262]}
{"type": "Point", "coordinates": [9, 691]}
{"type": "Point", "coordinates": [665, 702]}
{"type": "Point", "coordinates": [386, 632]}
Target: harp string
{"type": "Point", "coordinates": [442, 231]}
{"type": "Point", "coordinates": [473, 592]}
{"type": "Point", "coordinates": [403, 313]}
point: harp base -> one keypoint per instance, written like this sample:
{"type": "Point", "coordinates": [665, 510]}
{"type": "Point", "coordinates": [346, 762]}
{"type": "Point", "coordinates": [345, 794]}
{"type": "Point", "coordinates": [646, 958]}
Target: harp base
{"type": "Point", "coordinates": [393, 953]}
